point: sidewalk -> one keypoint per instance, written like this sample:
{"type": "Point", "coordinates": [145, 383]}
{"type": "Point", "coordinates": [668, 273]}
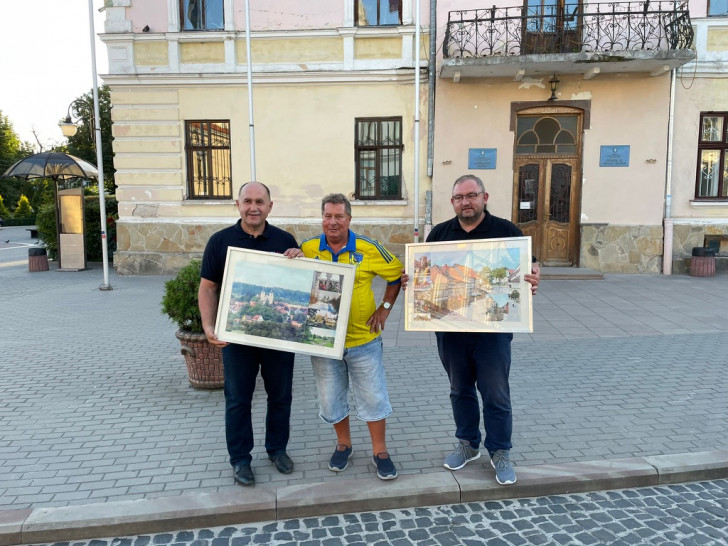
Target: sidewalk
{"type": "Point", "coordinates": [621, 383]}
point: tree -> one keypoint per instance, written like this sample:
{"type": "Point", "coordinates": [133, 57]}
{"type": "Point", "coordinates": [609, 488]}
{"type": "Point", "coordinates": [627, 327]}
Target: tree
{"type": "Point", "coordinates": [23, 210]}
{"type": "Point", "coordinates": [4, 212]}
{"type": "Point", "coordinates": [82, 144]}
{"type": "Point", "coordinates": [12, 150]}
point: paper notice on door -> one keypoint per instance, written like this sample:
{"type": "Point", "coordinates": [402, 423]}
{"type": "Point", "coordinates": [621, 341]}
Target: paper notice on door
{"type": "Point", "coordinates": [525, 205]}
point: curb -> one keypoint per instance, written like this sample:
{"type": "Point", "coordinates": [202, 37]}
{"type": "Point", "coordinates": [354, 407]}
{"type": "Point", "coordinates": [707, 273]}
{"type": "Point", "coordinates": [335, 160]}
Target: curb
{"type": "Point", "coordinates": [164, 514]}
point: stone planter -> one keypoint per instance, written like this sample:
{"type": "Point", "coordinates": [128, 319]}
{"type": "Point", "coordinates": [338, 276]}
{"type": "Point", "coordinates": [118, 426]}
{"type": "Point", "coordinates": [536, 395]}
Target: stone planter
{"type": "Point", "coordinates": [204, 361]}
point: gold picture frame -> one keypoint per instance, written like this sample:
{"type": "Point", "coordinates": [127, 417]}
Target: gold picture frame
{"type": "Point", "coordinates": [297, 305]}
{"type": "Point", "coordinates": [469, 286]}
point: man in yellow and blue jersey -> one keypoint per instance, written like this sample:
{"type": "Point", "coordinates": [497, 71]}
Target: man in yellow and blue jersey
{"type": "Point", "coordinates": [361, 366]}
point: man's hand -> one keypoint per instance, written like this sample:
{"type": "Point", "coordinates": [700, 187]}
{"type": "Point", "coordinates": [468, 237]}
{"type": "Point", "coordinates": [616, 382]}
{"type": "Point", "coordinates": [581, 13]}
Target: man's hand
{"type": "Point", "coordinates": [534, 278]}
{"type": "Point", "coordinates": [293, 253]}
{"type": "Point", "coordinates": [212, 339]}
{"type": "Point", "coordinates": [377, 320]}
{"type": "Point", "coordinates": [405, 279]}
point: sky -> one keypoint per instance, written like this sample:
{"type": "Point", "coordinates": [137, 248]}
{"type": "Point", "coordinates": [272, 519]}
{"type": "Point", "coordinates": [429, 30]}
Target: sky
{"type": "Point", "coordinates": [45, 63]}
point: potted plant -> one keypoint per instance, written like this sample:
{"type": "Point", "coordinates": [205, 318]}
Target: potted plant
{"type": "Point", "coordinates": [204, 361]}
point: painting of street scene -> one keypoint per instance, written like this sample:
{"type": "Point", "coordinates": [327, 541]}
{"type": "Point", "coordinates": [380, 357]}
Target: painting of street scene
{"type": "Point", "coordinates": [297, 305]}
{"type": "Point", "coordinates": [475, 286]}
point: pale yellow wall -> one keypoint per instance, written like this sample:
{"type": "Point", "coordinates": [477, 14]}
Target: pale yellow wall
{"type": "Point", "coordinates": [292, 50]}
{"type": "Point", "coordinates": [377, 48]}
{"type": "Point", "coordinates": [626, 110]}
{"type": "Point", "coordinates": [692, 97]}
{"type": "Point", "coordinates": [717, 39]}
{"type": "Point", "coordinates": [304, 144]}
{"type": "Point", "coordinates": [151, 53]}
{"type": "Point", "coordinates": [202, 52]}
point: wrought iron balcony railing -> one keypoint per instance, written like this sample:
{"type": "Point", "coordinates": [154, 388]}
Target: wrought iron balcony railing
{"type": "Point", "coordinates": [574, 27]}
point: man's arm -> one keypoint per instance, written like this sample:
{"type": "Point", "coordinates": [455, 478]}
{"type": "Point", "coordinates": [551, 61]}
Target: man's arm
{"type": "Point", "coordinates": [380, 316]}
{"type": "Point", "coordinates": [207, 299]}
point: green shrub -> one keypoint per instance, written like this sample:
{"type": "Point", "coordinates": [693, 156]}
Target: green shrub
{"type": "Point", "coordinates": [20, 221]}
{"type": "Point", "coordinates": [23, 210]}
{"type": "Point", "coordinates": [45, 221]}
{"type": "Point", "coordinates": [4, 212]}
{"type": "Point", "coordinates": [180, 298]}
{"type": "Point", "coordinates": [46, 224]}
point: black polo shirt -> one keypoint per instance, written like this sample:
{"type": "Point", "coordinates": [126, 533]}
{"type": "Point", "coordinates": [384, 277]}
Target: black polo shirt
{"type": "Point", "coordinates": [272, 239]}
{"type": "Point", "coordinates": [491, 227]}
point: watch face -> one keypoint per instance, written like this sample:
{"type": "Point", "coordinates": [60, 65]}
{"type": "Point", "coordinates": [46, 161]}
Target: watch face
{"type": "Point", "coordinates": [387, 305]}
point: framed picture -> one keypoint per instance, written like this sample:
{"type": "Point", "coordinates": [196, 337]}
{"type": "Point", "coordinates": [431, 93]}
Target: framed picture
{"type": "Point", "coordinates": [297, 305]}
{"type": "Point", "coordinates": [469, 286]}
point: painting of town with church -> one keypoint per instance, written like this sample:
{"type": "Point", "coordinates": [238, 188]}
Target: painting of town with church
{"type": "Point", "coordinates": [473, 286]}
{"type": "Point", "coordinates": [298, 305]}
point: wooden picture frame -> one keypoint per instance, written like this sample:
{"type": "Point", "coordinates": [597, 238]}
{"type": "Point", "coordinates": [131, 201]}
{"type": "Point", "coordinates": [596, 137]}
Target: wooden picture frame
{"type": "Point", "coordinates": [297, 305]}
{"type": "Point", "coordinates": [469, 286]}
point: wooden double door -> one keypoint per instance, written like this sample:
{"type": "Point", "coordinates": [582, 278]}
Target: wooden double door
{"type": "Point", "coordinates": [546, 207]}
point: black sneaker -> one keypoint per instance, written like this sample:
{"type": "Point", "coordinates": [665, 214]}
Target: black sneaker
{"type": "Point", "coordinates": [385, 466]}
{"type": "Point", "coordinates": [340, 459]}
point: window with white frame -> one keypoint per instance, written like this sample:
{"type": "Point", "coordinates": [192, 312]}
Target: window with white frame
{"type": "Point", "coordinates": [378, 152]}
{"type": "Point", "coordinates": [201, 14]}
{"type": "Point", "coordinates": [207, 150]}
{"type": "Point", "coordinates": [377, 13]}
{"type": "Point", "coordinates": [712, 178]}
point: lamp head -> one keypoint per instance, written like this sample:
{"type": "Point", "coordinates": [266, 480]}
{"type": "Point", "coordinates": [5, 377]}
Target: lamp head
{"type": "Point", "coordinates": [554, 84]}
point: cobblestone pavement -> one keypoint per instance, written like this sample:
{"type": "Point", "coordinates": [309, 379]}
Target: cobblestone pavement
{"type": "Point", "coordinates": [96, 406]}
{"type": "Point", "coordinates": [685, 514]}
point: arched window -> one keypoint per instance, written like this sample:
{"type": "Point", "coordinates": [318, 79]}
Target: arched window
{"type": "Point", "coordinates": [546, 134]}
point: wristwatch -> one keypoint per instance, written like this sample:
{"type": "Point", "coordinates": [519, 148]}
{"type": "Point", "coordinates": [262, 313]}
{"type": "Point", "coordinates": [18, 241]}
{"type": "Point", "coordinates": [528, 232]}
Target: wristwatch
{"type": "Point", "coordinates": [386, 305]}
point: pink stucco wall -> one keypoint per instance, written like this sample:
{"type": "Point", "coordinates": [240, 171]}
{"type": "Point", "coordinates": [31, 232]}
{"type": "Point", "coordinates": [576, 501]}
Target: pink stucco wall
{"type": "Point", "coordinates": [149, 12]}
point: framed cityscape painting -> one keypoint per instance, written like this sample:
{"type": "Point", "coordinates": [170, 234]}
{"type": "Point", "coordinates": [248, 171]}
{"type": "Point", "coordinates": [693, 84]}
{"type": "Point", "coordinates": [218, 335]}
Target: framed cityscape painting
{"type": "Point", "coordinates": [469, 286]}
{"type": "Point", "coordinates": [297, 305]}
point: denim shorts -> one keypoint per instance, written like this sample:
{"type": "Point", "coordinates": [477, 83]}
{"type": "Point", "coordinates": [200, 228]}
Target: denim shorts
{"type": "Point", "coordinates": [361, 369]}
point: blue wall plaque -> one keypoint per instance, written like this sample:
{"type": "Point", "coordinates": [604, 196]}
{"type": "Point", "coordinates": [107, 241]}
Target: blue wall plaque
{"type": "Point", "coordinates": [614, 156]}
{"type": "Point", "coordinates": [482, 158]}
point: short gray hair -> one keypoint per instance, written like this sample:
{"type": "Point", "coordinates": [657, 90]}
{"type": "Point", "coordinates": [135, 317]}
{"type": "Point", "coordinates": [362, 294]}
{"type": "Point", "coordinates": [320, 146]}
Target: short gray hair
{"type": "Point", "coordinates": [472, 177]}
{"type": "Point", "coordinates": [254, 182]}
{"type": "Point", "coordinates": [336, 199]}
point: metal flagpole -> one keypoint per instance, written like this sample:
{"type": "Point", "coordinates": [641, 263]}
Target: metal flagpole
{"type": "Point", "coordinates": [99, 153]}
{"type": "Point", "coordinates": [250, 91]}
{"type": "Point", "coordinates": [417, 122]}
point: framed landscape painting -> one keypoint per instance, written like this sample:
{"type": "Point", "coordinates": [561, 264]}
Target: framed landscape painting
{"type": "Point", "coordinates": [297, 305]}
{"type": "Point", "coordinates": [469, 286]}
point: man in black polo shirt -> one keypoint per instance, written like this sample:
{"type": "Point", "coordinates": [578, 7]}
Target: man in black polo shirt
{"type": "Point", "coordinates": [242, 362]}
{"type": "Point", "coordinates": [478, 362]}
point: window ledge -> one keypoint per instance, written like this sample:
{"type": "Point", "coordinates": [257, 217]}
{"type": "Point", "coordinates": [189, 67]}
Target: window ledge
{"type": "Point", "coordinates": [375, 202]}
{"type": "Point", "coordinates": [208, 202]}
{"type": "Point", "coordinates": [709, 203]}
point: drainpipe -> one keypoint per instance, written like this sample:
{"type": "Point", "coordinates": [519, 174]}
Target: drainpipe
{"type": "Point", "coordinates": [431, 75]}
{"type": "Point", "coordinates": [668, 222]}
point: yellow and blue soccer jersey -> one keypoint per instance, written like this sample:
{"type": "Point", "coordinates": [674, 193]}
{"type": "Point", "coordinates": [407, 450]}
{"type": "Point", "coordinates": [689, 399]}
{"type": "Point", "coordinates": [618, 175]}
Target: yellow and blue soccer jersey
{"type": "Point", "coordinates": [371, 259]}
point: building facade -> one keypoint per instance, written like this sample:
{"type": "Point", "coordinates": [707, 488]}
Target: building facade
{"type": "Point", "coordinates": [333, 111]}
{"type": "Point", "coordinates": [599, 128]}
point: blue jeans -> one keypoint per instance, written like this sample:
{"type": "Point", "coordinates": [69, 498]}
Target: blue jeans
{"type": "Point", "coordinates": [483, 362]}
{"type": "Point", "coordinates": [363, 369]}
{"type": "Point", "coordinates": [242, 363]}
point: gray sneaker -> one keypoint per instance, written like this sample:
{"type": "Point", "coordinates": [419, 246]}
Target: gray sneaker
{"type": "Point", "coordinates": [505, 474]}
{"type": "Point", "coordinates": [463, 454]}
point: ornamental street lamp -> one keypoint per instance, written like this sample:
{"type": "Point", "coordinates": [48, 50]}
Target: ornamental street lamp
{"type": "Point", "coordinates": [78, 109]}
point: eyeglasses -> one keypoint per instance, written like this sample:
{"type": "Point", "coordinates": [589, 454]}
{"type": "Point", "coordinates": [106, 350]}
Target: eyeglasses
{"type": "Point", "coordinates": [469, 196]}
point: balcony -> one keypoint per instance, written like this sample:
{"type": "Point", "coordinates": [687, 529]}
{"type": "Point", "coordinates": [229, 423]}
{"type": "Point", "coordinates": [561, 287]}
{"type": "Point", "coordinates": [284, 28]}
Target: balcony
{"type": "Point", "coordinates": [567, 37]}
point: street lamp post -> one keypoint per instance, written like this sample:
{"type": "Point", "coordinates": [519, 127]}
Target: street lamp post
{"type": "Point", "coordinates": [69, 129]}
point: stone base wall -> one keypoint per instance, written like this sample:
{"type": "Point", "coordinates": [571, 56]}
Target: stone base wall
{"type": "Point", "coordinates": [687, 237]}
{"type": "Point", "coordinates": [621, 249]}
{"type": "Point", "coordinates": [162, 248]}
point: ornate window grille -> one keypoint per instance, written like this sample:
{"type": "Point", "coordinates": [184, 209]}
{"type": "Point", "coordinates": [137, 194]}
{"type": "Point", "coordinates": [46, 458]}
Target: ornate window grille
{"type": "Point", "coordinates": [207, 148]}
{"type": "Point", "coordinates": [378, 151]}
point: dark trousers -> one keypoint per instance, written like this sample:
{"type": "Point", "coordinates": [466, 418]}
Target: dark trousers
{"type": "Point", "coordinates": [479, 363]}
{"type": "Point", "coordinates": [242, 364]}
